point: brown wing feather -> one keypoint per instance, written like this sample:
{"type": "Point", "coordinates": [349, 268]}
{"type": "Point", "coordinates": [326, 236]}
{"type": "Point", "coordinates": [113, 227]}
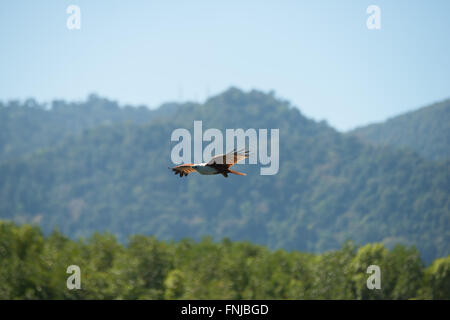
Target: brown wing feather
{"type": "Point", "coordinates": [234, 157]}
{"type": "Point", "coordinates": [183, 169]}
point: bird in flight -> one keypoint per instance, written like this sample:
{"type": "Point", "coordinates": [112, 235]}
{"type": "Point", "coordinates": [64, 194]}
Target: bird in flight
{"type": "Point", "coordinates": [220, 164]}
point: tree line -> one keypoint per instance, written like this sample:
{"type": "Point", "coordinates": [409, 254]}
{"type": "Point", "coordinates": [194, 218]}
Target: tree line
{"type": "Point", "coordinates": [34, 266]}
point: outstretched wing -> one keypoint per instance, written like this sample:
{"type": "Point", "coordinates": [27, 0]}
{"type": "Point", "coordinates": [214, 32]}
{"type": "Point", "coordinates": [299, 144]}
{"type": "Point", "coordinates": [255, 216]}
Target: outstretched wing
{"type": "Point", "coordinates": [230, 158]}
{"type": "Point", "coordinates": [183, 170]}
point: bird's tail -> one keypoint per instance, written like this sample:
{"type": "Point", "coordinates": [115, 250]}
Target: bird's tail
{"type": "Point", "coordinates": [238, 173]}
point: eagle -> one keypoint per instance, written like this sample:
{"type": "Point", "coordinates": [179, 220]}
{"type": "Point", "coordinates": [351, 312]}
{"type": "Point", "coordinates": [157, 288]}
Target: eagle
{"type": "Point", "coordinates": [220, 164]}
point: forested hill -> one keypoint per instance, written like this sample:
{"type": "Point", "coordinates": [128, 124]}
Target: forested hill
{"type": "Point", "coordinates": [426, 131]}
{"type": "Point", "coordinates": [29, 126]}
{"type": "Point", "coordinates": [330, 187]}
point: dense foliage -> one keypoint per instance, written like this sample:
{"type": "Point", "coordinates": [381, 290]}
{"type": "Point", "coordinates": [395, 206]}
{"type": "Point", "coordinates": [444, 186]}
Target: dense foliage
{"type": "Point", "coordinates": [426, 131]}
{"type": "Point", "coordinates": [330, 187]}
{"type": "Point", "coordinates": [29, 126]}
{"type": "Point", "coordinates": [34, 267]}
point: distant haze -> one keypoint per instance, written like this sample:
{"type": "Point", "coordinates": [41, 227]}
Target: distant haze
{"type": "Point", "coordinates": [319, 55]}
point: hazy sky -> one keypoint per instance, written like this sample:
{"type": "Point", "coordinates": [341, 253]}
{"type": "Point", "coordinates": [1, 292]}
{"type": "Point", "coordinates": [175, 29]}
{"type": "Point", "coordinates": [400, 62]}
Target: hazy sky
{"type": "Point", "coordinates": [318, 54]}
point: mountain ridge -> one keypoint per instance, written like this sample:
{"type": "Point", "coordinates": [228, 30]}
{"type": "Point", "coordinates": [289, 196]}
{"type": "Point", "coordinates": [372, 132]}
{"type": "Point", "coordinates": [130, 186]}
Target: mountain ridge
{"type": "Point", "coordinates": [330, 187]}
{"type": "Point", "coordinates": [425, 130]}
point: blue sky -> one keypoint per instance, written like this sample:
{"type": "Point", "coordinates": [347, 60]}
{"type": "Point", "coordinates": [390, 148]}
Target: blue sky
{"type": "Point", "coordinates": [317, 54]}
